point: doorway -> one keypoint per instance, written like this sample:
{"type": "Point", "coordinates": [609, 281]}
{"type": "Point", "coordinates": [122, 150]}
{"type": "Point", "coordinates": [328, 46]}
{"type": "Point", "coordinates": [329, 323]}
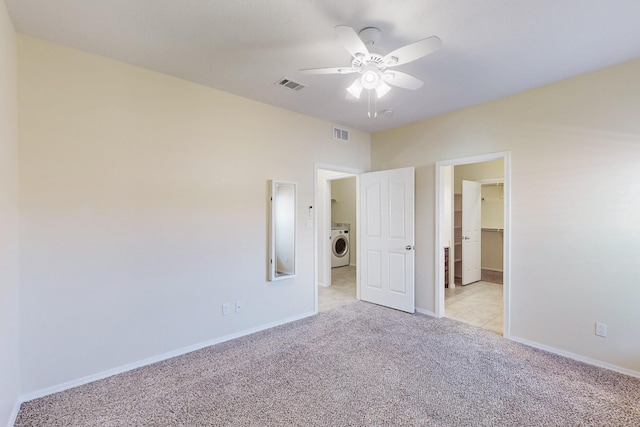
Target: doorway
{"type": "Point", "coordinates": [484, 300]}
{"type": "Point", "coordinates": [336, 258]}
{"type": "Point", "coordinates": [386, 199]}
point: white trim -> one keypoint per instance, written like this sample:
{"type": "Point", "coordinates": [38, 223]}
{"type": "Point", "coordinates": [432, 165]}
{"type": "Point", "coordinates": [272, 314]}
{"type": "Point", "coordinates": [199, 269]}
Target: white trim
{"type": "Point", "coordinates": [339, 176]}
{"type": "Point", "coordinates": [426, 312]}
{"type": "Point", "coordinates": [346, 171]}
{"type": "Point", "coordinates": [439, 270]}
{"type": "Point", "coordinates": [481, 158]}
{"type": "Point", "coordinates": [14, 413]}
{"type": "Point", "coordinates": [506, 251]}
{"type": "Point", "coordinates": [488, 181]}
{"type": "Point", "coordinates": [577, 357]}
{"type": "Point", "coordinates": [179, 352]}
{"type": "Point", "coordinates": [439, 211]}
{"type": "Point", "coordinates": [493, 269]}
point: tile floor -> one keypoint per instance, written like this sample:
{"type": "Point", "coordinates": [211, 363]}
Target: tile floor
{"type": "Point", "coordinates": [479, 304]}
{"type": "Point", "coordinates": [342, 290]}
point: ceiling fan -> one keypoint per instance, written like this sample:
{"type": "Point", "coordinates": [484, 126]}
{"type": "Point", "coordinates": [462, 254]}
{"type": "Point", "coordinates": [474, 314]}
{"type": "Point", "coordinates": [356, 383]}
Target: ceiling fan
{"type": "Point", "coordinates": [374, 68]}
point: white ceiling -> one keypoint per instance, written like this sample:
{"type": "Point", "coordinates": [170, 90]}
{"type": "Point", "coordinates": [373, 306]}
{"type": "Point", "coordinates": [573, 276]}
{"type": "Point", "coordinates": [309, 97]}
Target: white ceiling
{"type": "Point", "coordinates": [491, 48]}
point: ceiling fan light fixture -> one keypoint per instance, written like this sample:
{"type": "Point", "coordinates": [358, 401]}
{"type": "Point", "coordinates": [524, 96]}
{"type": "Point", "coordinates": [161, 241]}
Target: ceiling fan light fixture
{"type": "Point", "coordinates": [370, 80]}
{"type": "Point", "coordinates": [356, 88]}
{"type": "Point", "coordinates": [370, 77]}
{"type": "Point", "coordinates": [382, 89]}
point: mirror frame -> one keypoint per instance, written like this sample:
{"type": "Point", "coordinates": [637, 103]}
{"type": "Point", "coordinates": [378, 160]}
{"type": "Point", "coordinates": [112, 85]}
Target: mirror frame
{"type": "Point", "coordinates": [282, 210]}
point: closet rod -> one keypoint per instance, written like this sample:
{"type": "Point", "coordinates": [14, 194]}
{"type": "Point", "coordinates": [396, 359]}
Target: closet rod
{"type": "Point", "coordinates": [497, 230]}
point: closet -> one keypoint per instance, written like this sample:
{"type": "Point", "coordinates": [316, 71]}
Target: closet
{"type": "Point", "coordinates": [492, 226]}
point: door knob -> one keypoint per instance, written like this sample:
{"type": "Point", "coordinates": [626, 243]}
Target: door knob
{"type": "Point", "coordinates": [408, 247]}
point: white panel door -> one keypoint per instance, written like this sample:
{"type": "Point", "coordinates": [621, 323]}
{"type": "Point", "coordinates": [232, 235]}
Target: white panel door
{"type": "Point", "coordinates": [386, 238]}
{"type": "Point", "coordinates": [471, 231]}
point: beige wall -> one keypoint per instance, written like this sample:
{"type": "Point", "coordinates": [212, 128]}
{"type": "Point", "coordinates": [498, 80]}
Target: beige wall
{"type": "Point", "coordinates": [343, 191]}
{"type": "Point", "coordinates": [573, 144]}
{"type": "Point", "coordinates": [492, 250]}
{"type": "Point", "coordinates": [9, 222]}
{"type": "Point", "coordinates": [144, 208]}
{"type": "Point", "coordinates": [492, 206]}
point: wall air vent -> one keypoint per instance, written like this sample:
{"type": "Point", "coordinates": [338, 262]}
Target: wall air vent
{"type": "Point", "coordinates": [290, 84]}
{"type": "Point", "coordinates": [340, 134]}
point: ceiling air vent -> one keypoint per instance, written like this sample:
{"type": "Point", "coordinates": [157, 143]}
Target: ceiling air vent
{"type": "Point", "coordinates": [290, 84]}
{"type": "Point", "coordinates": [340, 134]}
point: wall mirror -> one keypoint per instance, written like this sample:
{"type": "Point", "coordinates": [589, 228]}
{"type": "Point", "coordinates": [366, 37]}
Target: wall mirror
{"type": "Point", "coordinates": [282, 257]}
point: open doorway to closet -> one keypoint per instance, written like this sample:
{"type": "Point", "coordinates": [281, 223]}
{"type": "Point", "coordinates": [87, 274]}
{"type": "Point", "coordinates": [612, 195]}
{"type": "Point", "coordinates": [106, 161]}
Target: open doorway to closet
{"type": "Point", "coordinates": [473, 224]}
{"type": "Point", "coordinates": [337, 238]}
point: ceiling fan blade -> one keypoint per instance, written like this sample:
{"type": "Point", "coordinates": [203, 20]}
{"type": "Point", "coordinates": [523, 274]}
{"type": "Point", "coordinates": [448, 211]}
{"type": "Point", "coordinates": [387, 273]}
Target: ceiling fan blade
{"type": "Point", "coordinates": [403, 80]}
{"type": "Point", "coordinates": [412, 51]}
{"type": "Point", "coordinates": [334, 70]}
{"type": "Point", "coordinates": [351, 41]}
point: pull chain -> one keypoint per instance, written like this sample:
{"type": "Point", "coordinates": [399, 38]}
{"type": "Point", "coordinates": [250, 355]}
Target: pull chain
{"type": "Point", "coordinates": [375, 106]}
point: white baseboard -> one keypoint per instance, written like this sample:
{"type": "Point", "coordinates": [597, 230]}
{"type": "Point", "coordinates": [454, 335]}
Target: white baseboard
{"type": "Point", "coordinates": [14, 413]}
{"type": "Point", "coordinates": [577, 357]}
{"type": "Point", "coordinates": [128, 367]}
{"type": "Point", "coordinates": [492, 269]}
{"type": "Point", "coordinates": [427, 312]}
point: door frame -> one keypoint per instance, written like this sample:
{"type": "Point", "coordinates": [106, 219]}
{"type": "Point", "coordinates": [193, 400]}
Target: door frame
{"type": "Point", "coordinates": [439, 253]}
{"type": "Point", "coordinates": [325, 205]}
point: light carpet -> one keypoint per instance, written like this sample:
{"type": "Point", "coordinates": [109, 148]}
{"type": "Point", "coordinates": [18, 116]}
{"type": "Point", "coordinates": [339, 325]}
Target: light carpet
{"type": "Point", "coordinates": [357, 365]}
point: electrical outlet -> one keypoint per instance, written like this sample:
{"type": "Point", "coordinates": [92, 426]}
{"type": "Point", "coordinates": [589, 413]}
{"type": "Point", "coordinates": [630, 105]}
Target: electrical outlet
{"type": "Point", "coordinates": [601, 329]}
{"type": "Point", "coordinates": [239, 307]}
{"type": "Point", "coordinates": [226, 309]}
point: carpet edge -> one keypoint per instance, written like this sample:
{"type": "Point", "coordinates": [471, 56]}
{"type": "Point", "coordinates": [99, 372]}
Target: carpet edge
{"type": "Point", "coordinates": [577, 357]}
{"type": "Point", "coordinates": [154, 359]}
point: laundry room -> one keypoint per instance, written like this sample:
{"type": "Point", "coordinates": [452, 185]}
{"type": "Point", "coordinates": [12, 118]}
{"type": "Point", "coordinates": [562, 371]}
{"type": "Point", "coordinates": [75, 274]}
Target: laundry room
{"type": "Point", "coordinates": [337, 261]}
{"type": "Point", "coordinates": [343, 222]}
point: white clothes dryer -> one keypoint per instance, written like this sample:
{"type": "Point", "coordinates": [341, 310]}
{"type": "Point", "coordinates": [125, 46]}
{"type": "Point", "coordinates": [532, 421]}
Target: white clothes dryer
{"type": "Point", "coordinates": [339, 247]}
